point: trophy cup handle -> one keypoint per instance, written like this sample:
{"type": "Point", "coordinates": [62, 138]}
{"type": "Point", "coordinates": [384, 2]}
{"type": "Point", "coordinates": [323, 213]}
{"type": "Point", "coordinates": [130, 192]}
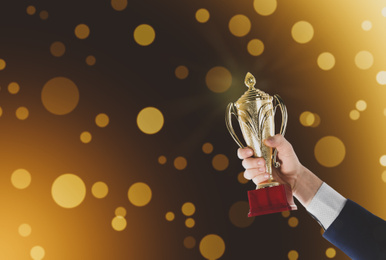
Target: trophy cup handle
{"type": "Point", "coordinates": [228, 121]}
{"type": "Point", "coordinates": [278, 102]}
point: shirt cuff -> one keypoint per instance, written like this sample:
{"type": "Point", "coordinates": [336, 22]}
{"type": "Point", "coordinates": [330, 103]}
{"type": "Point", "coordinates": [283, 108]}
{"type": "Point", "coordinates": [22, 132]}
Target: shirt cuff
{"type": "Point", "coordinates": [326, 205]}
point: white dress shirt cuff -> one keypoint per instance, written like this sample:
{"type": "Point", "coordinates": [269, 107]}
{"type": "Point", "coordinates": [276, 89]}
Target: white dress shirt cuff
{"type": "Point", "coordinates": [326, 205]}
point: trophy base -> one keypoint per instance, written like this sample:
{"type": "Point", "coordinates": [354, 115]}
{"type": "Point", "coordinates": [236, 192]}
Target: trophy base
{"type": "Point", "coordinates": [269, 200]}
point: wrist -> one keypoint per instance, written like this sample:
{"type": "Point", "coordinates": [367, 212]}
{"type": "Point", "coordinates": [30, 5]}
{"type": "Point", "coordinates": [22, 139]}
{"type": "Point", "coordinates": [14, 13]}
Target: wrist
{"type": "Point", "coordinates": [307, 184]}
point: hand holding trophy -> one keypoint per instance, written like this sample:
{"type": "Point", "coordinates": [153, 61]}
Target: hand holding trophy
{"type": "Point", "coordinates": [255, 111]}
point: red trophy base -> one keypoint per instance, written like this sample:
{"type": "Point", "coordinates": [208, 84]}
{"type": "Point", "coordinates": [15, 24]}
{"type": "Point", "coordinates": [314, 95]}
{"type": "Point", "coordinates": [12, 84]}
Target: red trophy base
{"type": "Point", "coordinates": [270, 200]}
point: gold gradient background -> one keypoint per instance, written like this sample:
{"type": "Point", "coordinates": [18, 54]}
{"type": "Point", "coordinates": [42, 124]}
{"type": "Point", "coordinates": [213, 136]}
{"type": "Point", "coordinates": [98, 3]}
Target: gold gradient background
{"type": "Point", "coordinates": [128, 77]}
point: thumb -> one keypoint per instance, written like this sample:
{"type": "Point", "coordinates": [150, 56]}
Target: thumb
{"type": "Point", "coordinates": [278, 141]}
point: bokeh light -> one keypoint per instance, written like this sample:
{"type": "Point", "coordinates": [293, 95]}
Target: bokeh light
{"type": "Point", "coordinates": [189, 223]}
{"type": "Point", "coordinates": [202, 15]}
{"type": "Point", "coordinates": [255, 47]}
{"type": "Point", "coordinates": [330, 252]}
{"type": "Point", "coordinates": [37, 253]}
{"type": "Point", "coordinates": [102, 120]}
{"type": "Point", "coordinates": [60, 95]}
{"type": "Point", "coordinates": [220, 162]}
{"type": "Point", "coordinates": [31, 10]}
{"type": "Point", "coordinates": [189, 242]}
{"type": "Point", "coordinates": [367, 25]}
{"type": "Point", "coordinates": [188, 209]}
{"type": "Point", "coordinates": [85, 137]}
{"type": "Point", "coordinates": [57, 49]}
{"type": "Point", "coordinates": [218, 79]}
{"type": "Point", "coordinates": [162, 159]}
{"type": "Point", "coordinates": [180, 163]}
{"type": "Point", "coordinates": [354, 114]}
{"type": "Point", "coordinates": [139, 194]}
{"type": "Point", "coordinates": [150, 120]}
{"type": "Point", "coordinates": [99, 190]}
{"type": "Point", "coordinates": [364, 60]}
{"type": "Point", "coordinates": [330, 151]}
{"type": "Point", "coordinates": [293, 255]}
{"type": "Point", "coordinates": [382, 160]}
{"type": "Point", "coordinates": [120, 211]}
{"type": "Point", "coordinates": [307, 118]}
{"type": "Point", "coordinates": [238, 214]}
{"type": "Point", "coordinates": [43, 15]}
{"type": "Point", "coordinates": [207, 148]}
{"type": "Point", "coordinates": [302, 32]}
{"type": "Point", "coordinates": [181, 72]}
{"type": "Point", "coordinates": [3, 64]}
{"type": "Point", "coordinates": [212, 247]}
{"type": "Point", "coordinates": [22, 113]}
{"type": "Point", "coordinates": [265, 7]}
{"type": "Point", "coordinates": [119, 5]}
{"type": "Point", "coordinates": [326, 61]}
{"type": "Point", "coordinates": [239, 25]}
{"type": "Point", "coordinates": [241, 179]}
{"type": "Point", "coordinates": [82, 31]}
{"type": "Point", "coordinates": [285, 214]}
{"type": "Point", "coordinates": [68, 190]}
{"type": "Point", "coordinates": [384, 11]}
{"type": "Point", "coordinates": [383, 176]}
{"type": "Point", "coordinates": [361, 105]}
{"type": "Point", "coordinates": [13, 88]}
{"type": "Point", "coordinates": [1, 111]}
{"type": "Point", "coordinates": [21, 178]}
{"type": "Point", "coordinates": [144, 35]}
{"type": "Point", "coordinates": [293, 222]}
{"type": "Point", "coordinates": [90, 60]}
{"type": "Point", "coordinates": [169, 216]}
{"type": "Point", "coordinates": [119, 223]}
{"type": "Point", "coordinates": [25, 230]}
{"type": "Point", "coordinates": [381, 77]}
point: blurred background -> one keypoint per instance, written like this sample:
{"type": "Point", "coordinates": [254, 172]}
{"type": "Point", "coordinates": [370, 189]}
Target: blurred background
{"type": "Point", "coordinates": [112, 134]}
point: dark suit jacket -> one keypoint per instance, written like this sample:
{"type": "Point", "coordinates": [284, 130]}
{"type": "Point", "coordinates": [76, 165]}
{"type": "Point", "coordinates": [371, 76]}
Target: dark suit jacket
{"type": "Point", "coordinates": [358, 233]}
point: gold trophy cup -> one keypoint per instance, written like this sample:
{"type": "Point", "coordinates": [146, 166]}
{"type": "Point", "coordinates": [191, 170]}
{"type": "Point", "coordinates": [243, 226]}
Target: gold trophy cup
{"type": "Point", "coordinates": [255, 110]}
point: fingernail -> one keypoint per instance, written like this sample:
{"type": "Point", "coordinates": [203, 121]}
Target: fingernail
{"type": "Point", "coordinates": [249, 152]}
{"type": "Point", "coordinates": [260, 163]}
{"type": "Point", "coordinates": [266, 176]}
{"type": "Point", "coordinates": [261, 169]}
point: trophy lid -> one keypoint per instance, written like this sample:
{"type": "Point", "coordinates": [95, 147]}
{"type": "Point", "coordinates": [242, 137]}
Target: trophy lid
{"type": "Point", "coordinates": [252, 93]}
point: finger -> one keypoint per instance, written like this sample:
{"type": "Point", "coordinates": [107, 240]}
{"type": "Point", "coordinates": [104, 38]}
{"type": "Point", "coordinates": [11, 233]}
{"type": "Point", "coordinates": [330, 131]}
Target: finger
{"type": "Point", "coordinates": [250, 163]}
{"type": "Point", "coordinates": [252, 173]}
{"type": "Point", "coordinates": [260, 178]}
{"type": "Point", "coordinates": [279, 142]}
{"type": "Point", "coordinates": [245, 152]}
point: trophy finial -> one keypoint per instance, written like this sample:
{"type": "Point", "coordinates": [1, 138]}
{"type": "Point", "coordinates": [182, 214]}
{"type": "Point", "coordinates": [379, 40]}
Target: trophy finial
{"type": "Point", "coordinates": [250, 80]}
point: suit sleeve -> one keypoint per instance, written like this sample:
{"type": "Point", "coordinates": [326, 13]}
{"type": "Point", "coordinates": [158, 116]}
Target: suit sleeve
{"type": "Point", "coordinates": [358, 233]}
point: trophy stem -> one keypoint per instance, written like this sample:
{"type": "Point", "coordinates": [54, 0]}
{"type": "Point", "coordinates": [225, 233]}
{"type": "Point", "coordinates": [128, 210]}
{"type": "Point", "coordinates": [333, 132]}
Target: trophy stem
{"type": "Point", "coordinates": [267, 185]}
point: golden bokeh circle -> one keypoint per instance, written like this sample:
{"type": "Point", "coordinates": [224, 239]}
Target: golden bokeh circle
{"type": "Point", "coordinates": [188, 209]}
{"type": "Point", "coordinates": [255, 47]}
{"type": "Point", "coordinates": [326, 61]}
{"type": "Point", "coordinates": [43, 15]}
{"type": "Point", "coordinates": [13, 88]}
{"type": "Point", "coordinates": [384, 11]}
{"type": "Point", "coordinates": [90, 60]}
{"type": "Point", "coordinates": [82, 31]}
{"type": "Point", "coordinates": [102, 120]}
{"type": "Point", "coordinates": [293, 222]}
{"type": "Point", "coordinates": [189, 222]}
{"type": "Point", "coordinates": [383, 176]}
{"type": "Point", "coordinates": [218, 79]}
{"type": "Point", "coordinates": [1, 111]}
{"type": "Point", "coordinates": [119, 223]}
{"type": "Point", "coordinates": [181, 72]}
{"type": "Point", "coordinates": [364, 60]}
{"type": "Point", "coordinates": [144, 35]}
{"type": "Point", "coordinates": [57, 49]}
{"type": "Point", "coordinates": [21, 178]}
{"type": "Point", "coordinates": [307, 118]}
{"type": "Point", "coordinates": [31, 10]}
{"type": "Point", "coordinates": [361, 105]}
{"type": "Point", "coordinates": [162, 159]}
{"type": "Point", "coordinates": [330, 151]}
{"type": "Point", "coordinates": [68, 190]}
{"type": "Point", "coordinates": [302, 32]}
{"type": "Point", "coordinates": [37, 253]}
{"type": "Point", "coordinates": [330, 252]}
{"type": "Point", "coordinates": [189, 242]}
{"type": "Point", "coordinates": [119, 5]}
{"type": "Point", "coordinates": [212, 247]}
{"type": "Point", "coordinates": [220, 162]}
{"type": "Point", "coordinates": [150, 120]}
{"type": "Point", "coordinates": [180, 163]}
{"type": "Point", "coordinates": [265, 7]}
{"type": "Point", "coordinates": [22, 113]}
{"type": "Point", "coordinates": [285, 214]}
{"type": "Point", "coordinates": [99, 190]}
{"type": "Point", "coordinates": [3, 64]}
{"type": "Point", "coordinates": [293, 255]}
{"type": "Point", "coordinates": [381, 77]}
{"type": "Point", "coordinates": [139, 194]}
{"type": "Point", "coordinates": [169, 216]}
{"type": "Point", "coordinates": [60, 95]}
{"type": "Point", "coordinates": [25, 230]}
{"type": "Point", "coordinates": [316, 121]}
{"type": "Point", "coordinates": [202, 15]}
{"type": "Point", "coordinates": [120, 211]}
{"type": "Point", "coordinates": [239, 25]}
{"type": "Point", "coordinates": [207, 148]}
{"type": "Point", "coordinates": [238, 214]}
{"type": "Point", "coordinates": [85, 137]}
{"type": "Point", "coordinates": [354, 114]}
{"type": "Point", "coordinates": [382, 160]}
{"type": "Point", "coordinates": [367, 25]}
{"type": "Point", "coordinates": [241, 179]}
